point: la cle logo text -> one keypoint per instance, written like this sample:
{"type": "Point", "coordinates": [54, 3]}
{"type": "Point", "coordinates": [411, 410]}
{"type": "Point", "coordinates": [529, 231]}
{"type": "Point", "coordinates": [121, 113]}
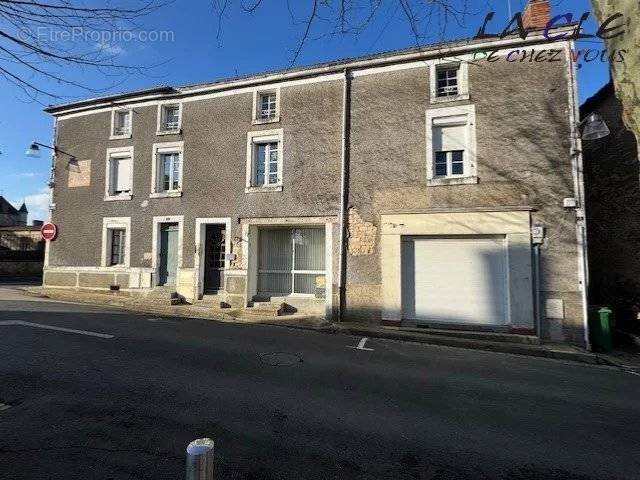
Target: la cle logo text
{"type": "Point", "coordinates": [608, 29]}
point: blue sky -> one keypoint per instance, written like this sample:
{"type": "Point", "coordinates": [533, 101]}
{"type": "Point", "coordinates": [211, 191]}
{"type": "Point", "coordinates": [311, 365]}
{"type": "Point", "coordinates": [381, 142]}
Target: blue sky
{"type": "Point", "coordinates": [191, 53]}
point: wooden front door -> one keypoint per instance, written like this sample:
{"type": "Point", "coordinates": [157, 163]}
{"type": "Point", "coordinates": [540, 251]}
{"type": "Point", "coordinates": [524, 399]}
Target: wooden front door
{"type": "Point", "coordinates": [215, 239]}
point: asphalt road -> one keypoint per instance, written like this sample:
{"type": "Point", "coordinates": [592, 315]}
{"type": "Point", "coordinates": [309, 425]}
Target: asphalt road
{"type": "Point", "coordinates": [78, 406]}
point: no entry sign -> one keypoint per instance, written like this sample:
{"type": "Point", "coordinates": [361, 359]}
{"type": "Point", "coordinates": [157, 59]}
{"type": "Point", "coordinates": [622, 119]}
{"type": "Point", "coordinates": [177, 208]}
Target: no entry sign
{"type": "Point", "coordinates": [49, 231]}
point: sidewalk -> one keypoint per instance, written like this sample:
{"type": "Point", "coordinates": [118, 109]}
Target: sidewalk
{"type": "Point", "coordinates": [522, 347]}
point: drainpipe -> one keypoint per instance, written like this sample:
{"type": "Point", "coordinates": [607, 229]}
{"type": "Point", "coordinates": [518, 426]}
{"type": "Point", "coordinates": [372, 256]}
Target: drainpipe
{"type": "Point", "coordinates": [581, 221]}
{"type": "Point", "coordinates": [536, 272]}
{"type": "Point", "coordinates": [51, 184]}
{"type": "Point", "coordinates": [344, 192]}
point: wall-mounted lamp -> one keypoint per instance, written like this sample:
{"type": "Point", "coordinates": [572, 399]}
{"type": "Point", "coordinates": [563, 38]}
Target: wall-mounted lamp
{"type": "Point", "coordinates": [34, 152]}
{"type": "Point", "coordinates": [595, 127]}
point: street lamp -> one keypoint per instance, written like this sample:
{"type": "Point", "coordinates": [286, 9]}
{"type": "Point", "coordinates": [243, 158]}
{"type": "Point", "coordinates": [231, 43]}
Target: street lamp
{"type": "Point", "coordinates": [34, 152]}
{"type": "Point", "coordinates": [595, 127]}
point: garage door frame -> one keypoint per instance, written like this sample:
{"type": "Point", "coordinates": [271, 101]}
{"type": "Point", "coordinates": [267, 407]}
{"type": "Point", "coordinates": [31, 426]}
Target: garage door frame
{"type": "Point", "coordinates": [513, 223]}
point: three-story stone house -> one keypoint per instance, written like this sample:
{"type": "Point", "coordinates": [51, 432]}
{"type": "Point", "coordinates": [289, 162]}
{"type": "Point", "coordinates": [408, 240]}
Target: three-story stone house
{"type": "Point", "coordinates": [422, 186]}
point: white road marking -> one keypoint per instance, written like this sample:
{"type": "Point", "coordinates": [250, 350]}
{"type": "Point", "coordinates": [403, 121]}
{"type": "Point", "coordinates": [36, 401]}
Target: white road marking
{"type": "Point", "coordinates": [361, 345]}
{"type": "Point", "coordinates": [58, 329]}
{"type": "Point", "coordinates": [4, 406]}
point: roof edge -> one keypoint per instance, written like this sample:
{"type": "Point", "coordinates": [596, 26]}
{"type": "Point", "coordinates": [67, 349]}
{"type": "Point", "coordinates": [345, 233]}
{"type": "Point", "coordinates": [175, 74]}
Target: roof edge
{"type": "Point", "coordinates": [423, 52]}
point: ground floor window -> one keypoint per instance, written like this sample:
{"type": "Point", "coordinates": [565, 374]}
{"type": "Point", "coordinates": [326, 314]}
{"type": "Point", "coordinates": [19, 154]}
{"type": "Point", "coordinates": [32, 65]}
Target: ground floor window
{"type": "Point", "coordinates": [117, 246]}
{"type": "Point", "coordinates": [291, 261]}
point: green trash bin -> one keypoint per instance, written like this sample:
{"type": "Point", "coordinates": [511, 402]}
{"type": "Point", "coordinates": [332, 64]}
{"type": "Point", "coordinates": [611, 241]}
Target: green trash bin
{"type": "Point", "coordinates": [600, 329]}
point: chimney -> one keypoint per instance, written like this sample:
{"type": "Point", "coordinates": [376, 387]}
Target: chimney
{"type": "Point", "coordinates": [537, 14]}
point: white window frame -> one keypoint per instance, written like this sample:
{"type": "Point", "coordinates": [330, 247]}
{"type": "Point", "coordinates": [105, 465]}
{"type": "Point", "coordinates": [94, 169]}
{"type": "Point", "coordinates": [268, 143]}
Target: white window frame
{"type": "Point", "coordinates": [160, 148]}
{"type": "Point", "coordinates": [115, 223]}
{"type": "Point", "coordinates": [160, 130]}
{"type": "Point", "coordinates": [442, 117]}
{"type": "Point", "coordinates": [114, 112]}
{"type": "Point", "coordinates": [463, 81]}
{"type": "Point", "coordinates": [256, 120]}
{"type": "Point", "coordinates": [117, 152]}
{"type": "Point", "coordinates": [253, 139]}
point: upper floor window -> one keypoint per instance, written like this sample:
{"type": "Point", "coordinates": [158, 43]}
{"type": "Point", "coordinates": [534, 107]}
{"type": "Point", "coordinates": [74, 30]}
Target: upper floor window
{"type": "Point", "coordinates": [266, 106]}
{"type": "Point", "coordinates": [119, 174]}
{"type": "Point", "coordinates": [451, 146]}
{"type": "Point", "coordinates": [170, 167]}
{"type": "Point", "coordinates": [167, 169]}
{"type": "Point", "coordinates": [449, 82]}
{"type": "Point", "coordinates": [266, 164]}
{"type": "Point", "coordinates": [169, 118]}
{"type": "Point", "coordinates": [121, 123]}
{"type": "Point", "coordinates": [264, 161]}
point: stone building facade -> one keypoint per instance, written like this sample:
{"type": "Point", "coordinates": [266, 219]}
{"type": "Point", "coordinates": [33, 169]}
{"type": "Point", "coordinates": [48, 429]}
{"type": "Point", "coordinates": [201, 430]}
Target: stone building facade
{"type": "Point", "coordinates": [399, 188]}
{"type": "Point", "coordinates": [612, 184]}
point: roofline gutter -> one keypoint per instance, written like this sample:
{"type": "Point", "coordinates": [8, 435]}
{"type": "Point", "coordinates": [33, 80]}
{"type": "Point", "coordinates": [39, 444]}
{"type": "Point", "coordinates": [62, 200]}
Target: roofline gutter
{"type": "Point", "coordinates": [427, 53]}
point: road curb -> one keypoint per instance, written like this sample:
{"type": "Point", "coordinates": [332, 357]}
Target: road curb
{"type": "Point", "coordinates": [544, 351]}
{"type": "Point", "coordinates": [512, 348]}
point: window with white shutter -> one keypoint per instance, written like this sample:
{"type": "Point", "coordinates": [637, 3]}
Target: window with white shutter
{"type": "Point", "coordinates": [119, 174]}
{"type": "Point", "coordinates": [451, 145]}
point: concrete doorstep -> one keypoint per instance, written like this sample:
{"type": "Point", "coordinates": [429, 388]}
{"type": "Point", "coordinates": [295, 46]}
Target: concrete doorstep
{"type": "Point", "coordinates": [514, 344]}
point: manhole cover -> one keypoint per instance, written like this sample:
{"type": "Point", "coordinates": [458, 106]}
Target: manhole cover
{"type": "Point", "coordinates": [280, 359]}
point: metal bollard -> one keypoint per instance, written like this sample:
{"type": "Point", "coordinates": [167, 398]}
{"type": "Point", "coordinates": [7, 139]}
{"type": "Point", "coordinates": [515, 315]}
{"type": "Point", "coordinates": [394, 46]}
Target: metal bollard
{"type": "Point", "coordinates": [200, 459]}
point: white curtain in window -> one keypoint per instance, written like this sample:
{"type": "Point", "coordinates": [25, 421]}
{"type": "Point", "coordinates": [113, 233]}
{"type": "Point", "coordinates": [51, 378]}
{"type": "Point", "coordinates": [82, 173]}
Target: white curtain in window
{"type": "Point", "coordinates": [290, 260]}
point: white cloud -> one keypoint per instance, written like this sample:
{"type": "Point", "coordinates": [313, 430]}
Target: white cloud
{"type": "Point", "coordinates": [110, 48]}
{"type": "Point", "coordinates": [37, 204]}
{"type": "Point", "coordinates": [27, 174]}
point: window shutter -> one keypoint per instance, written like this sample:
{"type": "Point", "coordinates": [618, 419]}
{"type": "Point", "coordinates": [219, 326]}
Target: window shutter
{"type": "Point", "coordinates": [121, 174]}
{"type": "Point", "coordinates": [449, 138]}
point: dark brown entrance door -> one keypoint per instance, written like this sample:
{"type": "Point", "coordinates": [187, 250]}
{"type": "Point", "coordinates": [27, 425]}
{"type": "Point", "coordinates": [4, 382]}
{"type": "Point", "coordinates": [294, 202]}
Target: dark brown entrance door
{"type": "Point", "coordinates": [214, 258]}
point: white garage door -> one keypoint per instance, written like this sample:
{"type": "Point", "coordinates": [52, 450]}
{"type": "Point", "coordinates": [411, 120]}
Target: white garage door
{"type": "Point", "coordinates": [455, 280]}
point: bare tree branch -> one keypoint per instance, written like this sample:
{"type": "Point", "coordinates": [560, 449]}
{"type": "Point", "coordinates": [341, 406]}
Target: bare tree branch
{"type": "Point", "coordinates": [43, 41]}
{"type": "Point", "coordinates": [323, 18]}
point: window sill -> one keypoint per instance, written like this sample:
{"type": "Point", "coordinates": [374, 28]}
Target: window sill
{"type": "Point", "coordinates": [435, 182]}
{"type": "Point", "coordinates": [457, 98]}
{"type": "Point", "coordinates": [173, 194]}
{"type": "Point", "coordinates": [272, 188]}
{"type": "Point", "coordinates": [116, 198]}
{"type": "Point", "coordinates": [120, 137]}
{"type": "Point", "coordinates": [118, 268]}
{"type": "Point", "coordinates": [264, 121]}
{"type": "Point", "coordinates": [169, 132]}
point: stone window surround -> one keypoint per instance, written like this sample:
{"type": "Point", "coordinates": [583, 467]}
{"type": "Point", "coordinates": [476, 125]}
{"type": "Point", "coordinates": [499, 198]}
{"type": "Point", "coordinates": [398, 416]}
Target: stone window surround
{"type": "Point", "coordinates": [255, 119]}
{"type": "Point", "coordinates": [111, 153]}
{"type": "Point", "coordinates": [250, 227]}
{"type": "Point", "coordinates": [275, 135]}
{"type": "Point", "coordinates": [161, 106]}
{"type": "Point", "coordinates": [463, 81]}
{"type": "Point", "coordinates": [110, 223]}
{"type": "Point", "coordinates": [112, 135]}
{"type": "Point", "coordinates": [470, 157]}
{"type": "Point", "coordinates": [165, 147]}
